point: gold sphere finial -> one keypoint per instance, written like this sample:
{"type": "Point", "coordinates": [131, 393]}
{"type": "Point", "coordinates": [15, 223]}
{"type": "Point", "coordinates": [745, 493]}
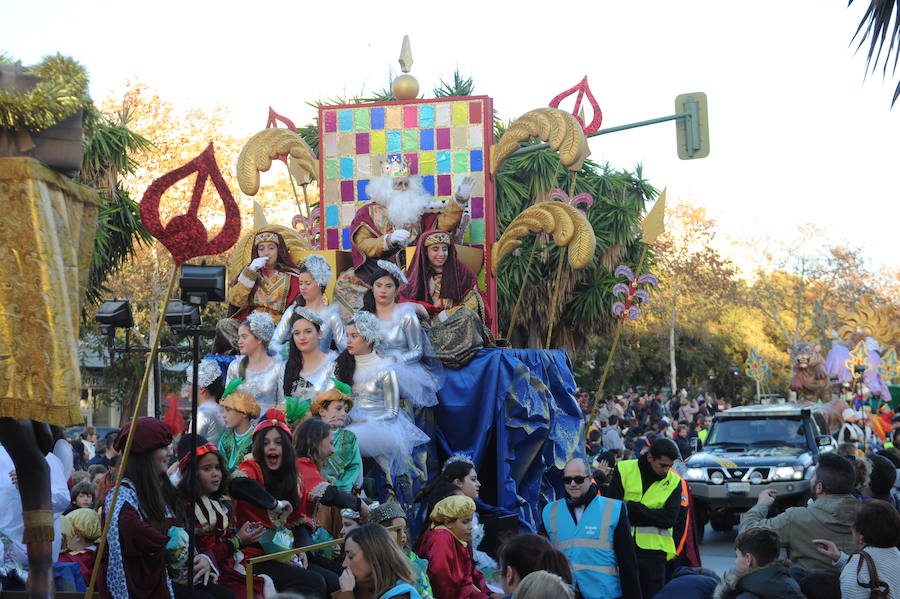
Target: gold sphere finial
{"type": "Point", "coordinates": [405, 87]}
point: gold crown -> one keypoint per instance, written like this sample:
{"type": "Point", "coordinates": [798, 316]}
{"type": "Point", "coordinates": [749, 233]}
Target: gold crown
{"type": "Point", "coordinates": [436, 238]}
{"type": "Point", "coordinates": [395, 167]}
{"type": "Point", "coordinates": [265, 236]}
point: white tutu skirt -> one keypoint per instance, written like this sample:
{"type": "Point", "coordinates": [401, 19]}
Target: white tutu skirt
{"type": "Point", "coordinates": [418, 384]}
{"type": "Point", "coordinates": [392, 439]}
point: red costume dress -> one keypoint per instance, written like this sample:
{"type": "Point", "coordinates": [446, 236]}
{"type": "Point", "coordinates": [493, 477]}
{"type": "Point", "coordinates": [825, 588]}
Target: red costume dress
{"type": "Point", "coordinates": [451, 568]}
{"type": "Point", "coordinates": [250, 511]}
{"type": "Point", "coordinates": [456, 285]}
{"type": "Point", "coordinates": [84, 558]}
{"type": "Point", "coordinates": [215, 537]}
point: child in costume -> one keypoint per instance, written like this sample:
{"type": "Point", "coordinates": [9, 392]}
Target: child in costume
{"type": "Point", "coordinates": [390, 514]}
{"type": "Point", "coordinates": [259, 373]}
{"type": "Point", "coordinates": [210, 386]}
{"type": "Point", "coordinates": [447, 547]}
{"type": "Point", "coordinates": [144, 521]}
{"type": "Point", "coordinates": [308, 370]}
{"type": "Point", "coordinates": [270, 283]}
{"type": "Point", "coordinates": [216, 534]}
{"type": "Point", "coordinates": [266, 489]}
{"type": "Point", "coordinates": [403, 341]}
{"type": "Point", "coordinates": [239, 410]}
{"type": "Point", "coordinates": [80, 530]}
{"type": "Point", "coordinates": [344, 467]}
{"type": "Point", "coordinates": [313, 279]}
{"type": "Point", "coordinates": [439, 280]}
{"type": "Point", "coordinates": [385, 432]}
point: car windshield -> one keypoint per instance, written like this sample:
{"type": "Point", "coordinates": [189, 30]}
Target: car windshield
{"type": "Point", "coordinates": [762, 431]}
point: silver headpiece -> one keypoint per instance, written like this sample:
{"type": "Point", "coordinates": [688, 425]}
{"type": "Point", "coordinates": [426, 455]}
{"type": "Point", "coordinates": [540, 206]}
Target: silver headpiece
{"type": "Point", "coordinates": [319, 268]}
{"type": "Point", "coordinates": [368, 326]}
{"type": "Point", "coordinates": [261, 325]}
{"type": "Point", "coordinates": [353, 514]}
{"type": "Point", "coordinates": [458, 457]}
{"type": "Point", "coordinates": [393, 269]}
{"type": "Point", "coordinates": [307, 314]}
{"type": "Point", "coordinates": [207, 373]}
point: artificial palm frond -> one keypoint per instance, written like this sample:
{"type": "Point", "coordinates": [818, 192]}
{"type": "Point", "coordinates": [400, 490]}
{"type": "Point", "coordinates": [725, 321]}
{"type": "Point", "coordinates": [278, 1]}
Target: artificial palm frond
{"type": "Point", "coordinates": [119, 228]}
{"type": "Point", "coordinates": [458, 87]}
{"type": "Point", "coordinates": [879, 24]}
{"type": "Point", "coordinates": [109, 149]}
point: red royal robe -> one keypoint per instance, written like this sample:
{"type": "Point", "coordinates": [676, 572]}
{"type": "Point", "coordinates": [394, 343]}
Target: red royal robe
{"type": "Point", "coordinates": [451, 568]}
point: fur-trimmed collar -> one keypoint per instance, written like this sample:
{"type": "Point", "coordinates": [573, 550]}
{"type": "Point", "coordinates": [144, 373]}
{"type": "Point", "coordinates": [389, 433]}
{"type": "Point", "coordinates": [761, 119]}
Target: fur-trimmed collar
{"type": "Point", "coordinates": [729, 587]}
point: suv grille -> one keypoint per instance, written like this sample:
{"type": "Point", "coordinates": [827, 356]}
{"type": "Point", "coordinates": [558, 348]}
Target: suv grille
{"type": "Point", "coordinates": [738, 474]}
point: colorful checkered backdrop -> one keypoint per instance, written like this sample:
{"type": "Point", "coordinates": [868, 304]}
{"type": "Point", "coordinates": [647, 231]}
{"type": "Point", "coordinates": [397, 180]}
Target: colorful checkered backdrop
{"type": "Point", "coordinates": [443, 140]}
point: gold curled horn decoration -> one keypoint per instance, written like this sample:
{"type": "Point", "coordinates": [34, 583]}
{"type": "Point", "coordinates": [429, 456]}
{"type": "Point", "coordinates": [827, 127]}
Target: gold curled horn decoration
{"type": "Point", "coordinates": [259, 151]}
{"type": "Point", "coordinates": [569, 227]}
{"type": "Point", "coordinates": [561, 130]}
{"type": "Point", "coordinates": [242, 254]}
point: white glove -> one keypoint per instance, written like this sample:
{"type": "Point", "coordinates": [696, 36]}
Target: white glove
{"type": "Point", "coordinates": [442, 316]}
{"type": "Point", "coordinates": [464, 191]}
{"type": "Point", "coordinates": [400, 237]}
{"type": "Point", "coordinates": [258, 263]}
{"type": "Point", "coordinates": [282, 506]}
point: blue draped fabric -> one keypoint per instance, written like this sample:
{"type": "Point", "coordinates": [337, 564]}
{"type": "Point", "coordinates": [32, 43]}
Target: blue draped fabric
{"type": "Point", "coordinates": [514, 412]}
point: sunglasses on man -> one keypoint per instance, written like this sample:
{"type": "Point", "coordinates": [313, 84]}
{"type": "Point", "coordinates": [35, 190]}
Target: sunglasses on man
{"type": "Point", "coordinates": [574, 479]}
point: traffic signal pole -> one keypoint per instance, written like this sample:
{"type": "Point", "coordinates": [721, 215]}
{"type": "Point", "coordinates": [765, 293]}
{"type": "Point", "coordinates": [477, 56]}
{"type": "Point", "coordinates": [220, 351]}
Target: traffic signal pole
{"type": "Point", "coordinates": [690, 128]}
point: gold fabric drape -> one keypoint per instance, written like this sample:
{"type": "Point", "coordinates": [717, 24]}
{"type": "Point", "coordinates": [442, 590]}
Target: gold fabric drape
{"type": "Point", "coordinates": [47, 226]}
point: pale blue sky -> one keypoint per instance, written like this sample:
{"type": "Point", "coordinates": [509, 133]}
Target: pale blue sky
{"type": "Point", "coordinates": [796, 133]}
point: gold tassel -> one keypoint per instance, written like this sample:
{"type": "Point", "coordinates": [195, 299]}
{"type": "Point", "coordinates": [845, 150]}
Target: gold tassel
{"type": "Point", "coordinates": [38, 526]}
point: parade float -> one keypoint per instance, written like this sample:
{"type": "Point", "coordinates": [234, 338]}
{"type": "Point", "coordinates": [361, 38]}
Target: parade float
{"type": "Point", "coordinates": [511, 410]}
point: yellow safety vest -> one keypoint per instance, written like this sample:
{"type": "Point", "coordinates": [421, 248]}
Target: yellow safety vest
{"type": "Point", "coordinates": [649, 537]}
{"type": "Point", "coordinates": [702, 434]}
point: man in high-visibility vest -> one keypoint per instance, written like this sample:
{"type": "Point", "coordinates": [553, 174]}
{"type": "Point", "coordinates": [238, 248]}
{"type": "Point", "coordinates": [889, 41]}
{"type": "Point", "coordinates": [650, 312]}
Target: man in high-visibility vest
{"type": "Point", "coordinates": [652, 493]}
{"type": "Point", "coordinates": [594, 534]}
{"type": "Point", "coordinates": [704, 428]}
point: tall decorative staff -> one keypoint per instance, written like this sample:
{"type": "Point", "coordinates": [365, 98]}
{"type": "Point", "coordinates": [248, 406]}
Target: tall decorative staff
{"type": "Point", "coordinates": [858, 363]}
{"type": "Point", "coordinates": [632, 294]}
{"type": "Point", "coordinates": [757, 369]}
{"type": "Point", "coordinates": [185, 236]}
{"type": "Point", "coordinates": [889, 368]}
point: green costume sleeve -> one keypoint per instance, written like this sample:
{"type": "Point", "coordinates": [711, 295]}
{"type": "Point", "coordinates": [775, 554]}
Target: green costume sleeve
{"type": "Point", "coordinates": [345, 464]}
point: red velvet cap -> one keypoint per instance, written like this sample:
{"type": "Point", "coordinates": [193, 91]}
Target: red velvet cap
{"type": "Point", "coordinates": [150, 434]}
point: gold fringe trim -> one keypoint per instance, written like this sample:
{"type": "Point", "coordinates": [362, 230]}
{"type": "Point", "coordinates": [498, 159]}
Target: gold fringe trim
{"type": "Point", "coordinates": [38, 526]}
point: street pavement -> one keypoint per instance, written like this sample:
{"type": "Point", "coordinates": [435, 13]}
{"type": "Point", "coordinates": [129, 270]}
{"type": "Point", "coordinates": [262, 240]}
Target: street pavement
{"type": "Point", "coordinates": [717, 550]}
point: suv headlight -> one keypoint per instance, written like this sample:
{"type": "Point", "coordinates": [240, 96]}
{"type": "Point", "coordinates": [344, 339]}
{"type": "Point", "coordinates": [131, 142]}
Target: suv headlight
{"type": "Point", "coordinates": [695, 474]}
{"type": "Point", "coordinates": [787, 473]}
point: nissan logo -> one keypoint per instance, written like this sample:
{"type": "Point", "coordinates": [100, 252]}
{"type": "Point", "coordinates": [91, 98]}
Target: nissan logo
{"type": "Point", "coordinates": [738, 472]}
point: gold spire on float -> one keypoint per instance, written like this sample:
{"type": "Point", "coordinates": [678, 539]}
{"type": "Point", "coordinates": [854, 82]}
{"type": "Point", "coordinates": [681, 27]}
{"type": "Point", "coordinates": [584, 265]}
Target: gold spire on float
{"type": "Point", "coordinates": [405, 87]}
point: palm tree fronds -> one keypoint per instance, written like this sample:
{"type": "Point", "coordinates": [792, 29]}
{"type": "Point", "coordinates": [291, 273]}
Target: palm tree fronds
{"type": "Point", "coordinates": [876, 26]}
{"type": "Point", "coordinates": [459, 86]}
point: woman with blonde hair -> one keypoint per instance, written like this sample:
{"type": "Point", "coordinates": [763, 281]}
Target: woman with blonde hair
{"type": "Point", "coordinates": [542, 584]}
{"type": "Point", "coordinates": [375, 566]}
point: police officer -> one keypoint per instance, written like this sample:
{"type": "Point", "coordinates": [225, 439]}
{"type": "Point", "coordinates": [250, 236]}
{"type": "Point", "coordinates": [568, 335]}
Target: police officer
{"type": "Point", "coordinates": [594, 534]}
{"type": "Point", "coordinates": [652, 494]}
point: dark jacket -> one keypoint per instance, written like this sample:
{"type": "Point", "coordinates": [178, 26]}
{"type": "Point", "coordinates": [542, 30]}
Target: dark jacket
{"type": "Point", "coordinates": [690, 583]}
{"type": "Point", "coordinates": [769, 582]}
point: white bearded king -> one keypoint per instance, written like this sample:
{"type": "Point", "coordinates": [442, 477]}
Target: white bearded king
{"type": "Point", "coordinates": [381, 229]}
